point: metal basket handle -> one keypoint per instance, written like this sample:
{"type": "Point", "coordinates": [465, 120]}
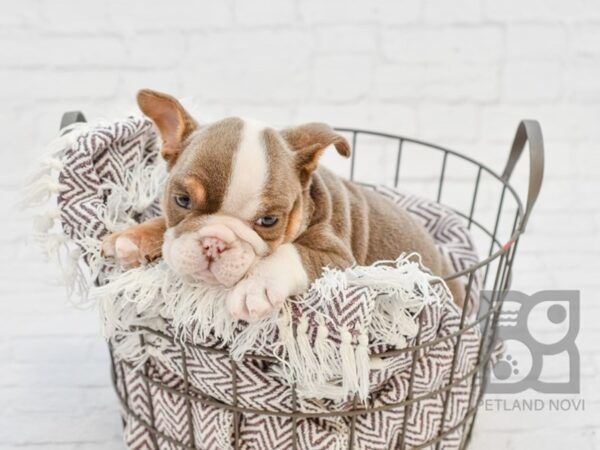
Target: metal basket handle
{"type": "Point", "coordinates": [71, 117]}
{"type": "Point", "coordinates": [528, 131]}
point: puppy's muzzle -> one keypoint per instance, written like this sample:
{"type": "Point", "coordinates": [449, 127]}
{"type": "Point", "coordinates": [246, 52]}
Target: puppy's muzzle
{"type": "Point", "coordinates": [220, 251]}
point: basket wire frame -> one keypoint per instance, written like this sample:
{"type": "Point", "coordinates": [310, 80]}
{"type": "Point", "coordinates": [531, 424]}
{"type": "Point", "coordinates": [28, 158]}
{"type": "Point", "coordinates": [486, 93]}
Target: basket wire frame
{"type": "Point", "coordinates": [496, 267]}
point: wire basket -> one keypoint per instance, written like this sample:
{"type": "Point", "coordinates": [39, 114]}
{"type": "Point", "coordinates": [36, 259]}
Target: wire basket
{"type": "Point", "coordinates": [493, 212]}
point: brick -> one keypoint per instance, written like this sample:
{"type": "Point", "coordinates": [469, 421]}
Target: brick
{"type": "Point", "coordinates": [73, 16]}
{"type": "Point", "coordinates": [536, 42]}
{"type": "Point", "coordinates": [488, 439]}
{"type": "Point", "coordinates": [164, 80]}
{"type": "Point", "coordinates": [341, 78]}
{"type": "Point", "coordinates": [395, 118]}
{"type": "Point", "coordinates": [114, 444]}
{"type": "Point", "coordinates": [264, 12]}
{"type": "Point", "coordinates": [21, 49]}
{"type": "Point", "coordinates": [584, 82]}
{"type": "Point", "coordinates": [66, 323]}
{"type": "Point", "coordinates": [19, 400]}
{"type": "Point", "coordinates": [399, 11]}
{"type": "Point", "coordinates": [6, 350]}
{"type": "Point", "coordinates": [531, 82]}
{"type": "Point", "coordinates": [563, 162]}
{"type": "Point", "coordinates": [337, 11]}
{"type": "Point", "coordinates": [155, 50]}
{"type": "Point", "coordinates": [100, 398]}
{"type": "Point", "coordinates": [98, 349]}
{"type": "Point", "coordinates": [587, 161]}
{"type": "Point", "coordinates": [51, 303]}
{"type": "Point", "coordinates": [225, 66]}
{"type": "Point", "coordinates": [9, 89]}
{"type": "Point", "coordinates": [457, 12]}
{"type": "Point", "coordinates": [239, 48]}
{"type": "Point", "coordinates": [515, 10]}
{"type": "Point", "coordinates": [439, 123]}
{"type": "Point", "coordinates": [230, 83]}
{"type": "Point", "coordinates": [346, 39]}
{"type": "Point", "coordinates": [58, 375]}
{"type": "Point", "coordinates": [20, 14]}
{"type": "Point", "coordinates": [584, 43]}
{"type": "Point", "coordinates": [541, 10]}
{"type": "Point", "coordinates": [566, 123]}
{"type": "Point", "coordinates": [32, 428]}
{"type": "Point", "coordinates": [179, 14]}
{"type": "Point", "coordinates": [420, 44]}
{"type": "Point", "coordinates": [435, 82]}
{"type": "Point", "coordinates": [354, 115]}
{"type": "Point", "coordinates": [56, 349]}
{"type": "Point", "coordinates": [61, 84]}
{"type": "Point", "coordinates": [341, 115]}
{"type": "Point", "coordinates": [84, 52]}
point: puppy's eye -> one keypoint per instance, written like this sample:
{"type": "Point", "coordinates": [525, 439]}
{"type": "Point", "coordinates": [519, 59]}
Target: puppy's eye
{"type": "Point", "coordinates": [183, 201]}
{"type": "Point", "coordinates": [266, 221]}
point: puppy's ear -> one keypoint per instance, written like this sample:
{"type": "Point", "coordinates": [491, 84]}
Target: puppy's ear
{"type": "Point", "coordinates": [309, 141]}
{"type": "Point", "coordinates": [173, 122]}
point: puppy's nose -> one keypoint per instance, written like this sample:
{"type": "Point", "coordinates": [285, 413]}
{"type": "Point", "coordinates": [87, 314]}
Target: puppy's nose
{"type": "Point", "coordinates": [212, 247]}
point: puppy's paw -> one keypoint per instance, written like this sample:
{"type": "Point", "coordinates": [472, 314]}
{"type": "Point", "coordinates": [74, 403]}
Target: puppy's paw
{"type": "Point", "coordinates": [255, 297]}
{"type": "Point", "coordinates": [130, 248]}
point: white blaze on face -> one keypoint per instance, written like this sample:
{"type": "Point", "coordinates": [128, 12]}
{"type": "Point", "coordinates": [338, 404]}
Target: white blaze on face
{"type": "Point", "coordinates": [232, 225]}
{"type": "Point", "coordinates": [248, 175]}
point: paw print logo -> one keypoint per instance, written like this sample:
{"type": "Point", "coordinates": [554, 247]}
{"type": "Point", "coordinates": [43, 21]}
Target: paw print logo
{"type": "Point", "coordinates": [532, 330]}
{"type": "Point", "coordinates": [506, 367]}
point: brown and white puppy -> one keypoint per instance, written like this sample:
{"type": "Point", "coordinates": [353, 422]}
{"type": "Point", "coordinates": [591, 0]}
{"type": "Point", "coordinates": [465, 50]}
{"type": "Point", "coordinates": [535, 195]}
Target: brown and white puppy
{"type": "Point", "coordinates": [246, 206]}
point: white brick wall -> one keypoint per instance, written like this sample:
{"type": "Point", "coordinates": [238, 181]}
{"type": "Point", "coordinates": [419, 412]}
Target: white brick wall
{"type": "Point", "coordinates": [460, 73]}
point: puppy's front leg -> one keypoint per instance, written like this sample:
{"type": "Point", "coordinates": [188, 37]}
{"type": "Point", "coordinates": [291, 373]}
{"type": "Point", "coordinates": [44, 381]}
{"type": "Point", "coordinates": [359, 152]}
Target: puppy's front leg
{"type": "Point", "coordinates": [138, 244]}
{"type": "Point", "coordinates": [268, 283]}
{"type": "Point", "coordinates": [286, 272]}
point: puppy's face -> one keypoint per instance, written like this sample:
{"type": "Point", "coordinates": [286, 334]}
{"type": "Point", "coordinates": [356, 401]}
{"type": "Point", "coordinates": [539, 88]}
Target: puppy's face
{"type": "Point", "coordinates": [235, 190]}
{"type": "Point", "coordinates": [233, 195]}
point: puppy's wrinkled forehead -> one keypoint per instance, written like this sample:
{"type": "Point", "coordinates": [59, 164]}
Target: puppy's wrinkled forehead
{"type": "Point", "coordinates": [233, 160]}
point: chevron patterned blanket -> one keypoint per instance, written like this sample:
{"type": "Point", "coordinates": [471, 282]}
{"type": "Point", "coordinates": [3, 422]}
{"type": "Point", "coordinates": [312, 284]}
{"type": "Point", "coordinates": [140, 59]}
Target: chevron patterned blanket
{"type": "Point", "coordinates": [325, 342]}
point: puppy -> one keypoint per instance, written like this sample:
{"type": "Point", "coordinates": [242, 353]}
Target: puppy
{"type": "Point", "coordinates": [246, 206]}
